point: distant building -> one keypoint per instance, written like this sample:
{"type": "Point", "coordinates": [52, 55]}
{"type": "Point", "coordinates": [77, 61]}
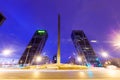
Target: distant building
{"type": "Point", "coordinates": [45, 60]}
{"type": "Point", "coordinates": [34, 47]}
{"type": "Point", "coordinates": [8, 61]}
{"type": "Point", "coordinates": [84, 49]}
{"type": "Point", "coordinates": [72, 60]}
{"type": "Point", "coordinates": [114, 61]}
{"type": "Point", "coordinates": [2, 18]}
{"type": "Point", "coordinates": [54, 60]}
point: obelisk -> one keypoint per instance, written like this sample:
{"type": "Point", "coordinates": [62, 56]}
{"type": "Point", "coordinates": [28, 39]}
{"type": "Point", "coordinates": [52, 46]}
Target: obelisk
{"type": "Point", "coordinates": [58, 50]}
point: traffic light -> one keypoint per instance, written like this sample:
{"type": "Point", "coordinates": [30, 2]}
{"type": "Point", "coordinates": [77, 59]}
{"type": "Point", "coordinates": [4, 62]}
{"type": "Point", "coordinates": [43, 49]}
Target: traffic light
{"type": "Point", "coordinates": [2, 18]}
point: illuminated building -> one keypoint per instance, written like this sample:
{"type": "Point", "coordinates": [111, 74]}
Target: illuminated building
{"type": "Point", "coordinates": [34, 47]}
{"type": "Point", "coordinates": [84, 48]}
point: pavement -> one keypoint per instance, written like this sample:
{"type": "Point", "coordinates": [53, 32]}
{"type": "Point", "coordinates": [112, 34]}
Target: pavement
{"type": "Point", "coordinates": [37, 74]}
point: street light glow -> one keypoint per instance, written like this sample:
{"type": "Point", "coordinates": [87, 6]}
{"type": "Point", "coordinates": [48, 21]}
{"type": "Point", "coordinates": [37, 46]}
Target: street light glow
{"type": "Point", "coordinates": [115, 39]}
{"type": "Point", "coordinates": [39, 58]}
{"type": "Point", "coordinates": [79, 59]}
{"type": "Point", "coordinates": [93, 41]}
{"type": "Point", "coordinates": [7, 52]}
{"type": "Point", "coordinates": [105, 54]}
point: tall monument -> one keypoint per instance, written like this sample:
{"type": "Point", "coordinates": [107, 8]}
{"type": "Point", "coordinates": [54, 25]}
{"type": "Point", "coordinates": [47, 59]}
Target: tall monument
{"type": "Point", "coordinates": [64, 66]}
{"type": "Point", "coordinates": [58, 51]}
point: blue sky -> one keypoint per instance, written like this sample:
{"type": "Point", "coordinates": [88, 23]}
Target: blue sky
{"type": "Point", "coordinates": [98, 19]}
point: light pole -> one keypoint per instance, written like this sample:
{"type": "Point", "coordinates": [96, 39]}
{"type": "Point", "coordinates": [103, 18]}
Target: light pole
{"type": "Point", "coordinates": [79, 59]}
{"type": "Point", "coordinates": [105, 55]}
{"type": "Point", "coordinates": [38, 59]}
{"type": "Point", "coordinates": [6, 52]}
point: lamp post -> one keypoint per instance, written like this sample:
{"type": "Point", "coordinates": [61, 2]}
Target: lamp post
{"type": "Point", "coordinates": [6, 52]}
{"type": "Point", "coordinates": [105, 55]}
{"type": "Point", "coordinates": [79, 59]}
{"type": "Point", "coordinates": [38, 59]}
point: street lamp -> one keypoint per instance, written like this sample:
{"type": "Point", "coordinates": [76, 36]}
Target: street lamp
{"type": "Point", "coordinates": [38, 58]}
{"type": "Point", "coordinates": [6, 52]}
{"type": "Point", "coordinates": [79, 59]}
{"type": "Point", "coordinates": [115, 39]}
{"type": "Point", "coordinates": [104, 54]}
{"type": "Point", "coordinates": [93, 41]}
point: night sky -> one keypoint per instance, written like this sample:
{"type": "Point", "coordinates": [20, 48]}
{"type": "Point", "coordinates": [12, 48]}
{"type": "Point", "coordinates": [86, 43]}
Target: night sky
{"type": "Point", "coordinates": [100, 20]}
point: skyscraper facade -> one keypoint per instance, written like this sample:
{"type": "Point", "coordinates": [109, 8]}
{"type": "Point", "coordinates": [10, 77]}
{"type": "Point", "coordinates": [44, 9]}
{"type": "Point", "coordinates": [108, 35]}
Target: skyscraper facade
{"type": "Point", "coordinates": [2, 18]}
{"type": "Point", "coordinates": [84, 49]}
{"type": "Point", "coordinates": [34, 47]}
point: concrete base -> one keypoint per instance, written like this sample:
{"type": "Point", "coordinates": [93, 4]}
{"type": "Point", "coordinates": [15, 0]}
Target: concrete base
{"type": "Point", "coordinates": [58, 67]}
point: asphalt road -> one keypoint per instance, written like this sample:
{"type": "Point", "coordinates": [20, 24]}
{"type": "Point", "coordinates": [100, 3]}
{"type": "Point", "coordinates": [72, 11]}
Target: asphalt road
{"type": "Point", "coordinates": [96, 74]}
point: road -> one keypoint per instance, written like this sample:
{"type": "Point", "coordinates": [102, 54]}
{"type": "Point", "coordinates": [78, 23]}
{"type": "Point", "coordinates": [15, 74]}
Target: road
{"type": "Point", "coordinates": [95, 74]}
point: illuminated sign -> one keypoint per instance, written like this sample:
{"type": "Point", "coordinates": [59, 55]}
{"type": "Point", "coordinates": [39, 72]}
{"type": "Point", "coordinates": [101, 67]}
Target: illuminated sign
{"type": "Point", "coordinates": [41, 32]}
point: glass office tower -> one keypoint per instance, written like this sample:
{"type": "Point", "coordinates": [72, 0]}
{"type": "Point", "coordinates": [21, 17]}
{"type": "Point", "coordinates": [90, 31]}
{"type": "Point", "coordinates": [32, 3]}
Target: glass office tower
{"type": "Point", "coordinates": [84, 49]}
{"type": "Point", "coordinates": [34, 47]}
